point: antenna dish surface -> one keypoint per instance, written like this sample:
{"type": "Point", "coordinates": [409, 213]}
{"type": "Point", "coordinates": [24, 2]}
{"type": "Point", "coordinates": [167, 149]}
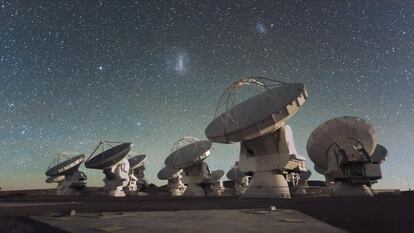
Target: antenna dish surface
{"type": "Point", "coordinates": [189, 154]}
{"type": "Point", "coordinates": [64, 164]}
{"type": "Point", "coordinates": [258, 115]}
{"type": "Point", "coordinates": [109, 157]}
{"type": "Point", "coordinates": [136, 161]}
{"type": "Point", "coordinates": [340, 132]}
{"type": "Point", "coordinates": [216, 175]}
{"type": "Point", "coordinates": [235, 173]}
{"type": "Point", "coordinates": [319, 170]}
{"type": "Point", "coordinates": [167, 173]}
{"type": "Point", "coordinates": [380, 153]}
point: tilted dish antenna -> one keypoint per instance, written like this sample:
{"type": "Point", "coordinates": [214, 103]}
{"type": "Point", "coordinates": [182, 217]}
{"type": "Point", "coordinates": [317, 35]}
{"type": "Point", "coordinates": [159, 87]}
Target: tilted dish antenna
{"type": "Point", "coordinates": [111, 157]}
{"type": "Point", "coordinates": [259, 123]}
{"type": "Point", "coordinates": [188, 153]}
{"type": "Point", "coordinates": [216, 183]}
{"type": "Point", "coordinates": [175, 184]}
{"type": "Point", "coordinates": [345, 150]}
{"type": "Point", "coordinates": [240, 179]}
{"type": "Point", "coordinates": [136, 171]}
{"type": "Point", "coordinates": [64, 171]}
{"type": "Point", "coordinates": [216, 175]}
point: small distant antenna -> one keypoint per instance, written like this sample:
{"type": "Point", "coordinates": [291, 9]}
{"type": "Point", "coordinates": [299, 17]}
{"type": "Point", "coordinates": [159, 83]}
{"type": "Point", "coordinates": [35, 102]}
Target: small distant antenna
{"type": "Point", "coordinates": [408, 184]}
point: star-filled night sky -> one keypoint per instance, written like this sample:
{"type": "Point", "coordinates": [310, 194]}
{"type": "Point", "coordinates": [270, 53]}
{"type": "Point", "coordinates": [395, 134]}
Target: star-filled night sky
{"type": "Point", "coordinates": [76, 72]}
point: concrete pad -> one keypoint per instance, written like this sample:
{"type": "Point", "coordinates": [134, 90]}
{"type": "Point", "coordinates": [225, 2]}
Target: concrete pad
{"type": "Point", "coordinates": [200, 221]}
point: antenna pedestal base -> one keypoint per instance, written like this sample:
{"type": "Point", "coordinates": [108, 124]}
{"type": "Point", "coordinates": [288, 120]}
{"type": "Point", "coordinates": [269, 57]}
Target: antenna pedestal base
{"type": "Point", "coordinates": [176, 186]}
{"type": "Point", "coordinates": [266, 184]}
{"type": "Point", "coordinates": [194, 190]}
{"type": "Point", "coordinates": [344, 189]}
{"type": "Point", "coordinates": [132, 187]}
{"type": "Point", "coordinates": [116, 178]}
{"type": "Point", "coordinates": [116, 193]}
{"type": "Point", "coordinates": [241, 185]}
{"type": "Point", "coordinates": [177, 192]}
{"type": "Point", "coordinates": [301, 190]}
{"type": "Point", "coordinates": [216, 189]}
{"type": "Point", "coordinates": [66, 190]}
{"type": "Point", "coordinates": [71, 185]}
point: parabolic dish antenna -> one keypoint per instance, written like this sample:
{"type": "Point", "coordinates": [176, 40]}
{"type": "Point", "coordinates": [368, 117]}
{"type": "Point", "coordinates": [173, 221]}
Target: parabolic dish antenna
{"type": "Point", "coordinates": [64, 171]}
{"type": "Point", "coordinates": [240, 179]}
{"type": "Point", "coordinates": [345, 150]}
{"type": "Point", "coordinates": [175, 184]}
{"type": "Point", "coordinates": [64, 164]}
{"type": "Point", "coordinates": [136, 172]}
{"type": "Point", "coordinates": [216, 175]}
{"type": "Point", "coordinates": [235, 173]}
{"type": "Point", "coordinates": [261, 114]}
{"type": "Point", "coordinates": [187, 152]}
{"type": "Point", "coordinates": [136, 161]}
{"type": "Point", "coordinates": [167, 173]}
{"type": "Point", "coordinates": [112, 159]}
{"type": "Point", "coordinates": [258, 122]}
{"type": "Point", "coordinates": [345, 132]}
{"type": "Point", "coordinates": [109, 157]}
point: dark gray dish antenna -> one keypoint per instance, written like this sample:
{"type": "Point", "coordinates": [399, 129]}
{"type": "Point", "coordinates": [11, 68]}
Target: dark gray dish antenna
{"type": "Point", "coordinates": [108, 157]}
{"type": "Point", "coordinates": [64, 164]}
{"type": "Point", "coordinates": [216, 175]}
{"type": "Point", "coordinates": [168, 173]}
{"type": "Point", "coordinates": [136, 161]}
{"type": "Point", "coordinates": [188, 154]}
{"type": "Point", "coordinates": [235, 173]}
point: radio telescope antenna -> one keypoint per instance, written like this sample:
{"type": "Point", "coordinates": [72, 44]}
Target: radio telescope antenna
{"type": "Point", "coordinates": [112, 159]}
{"type": "Point", "coordinates": [136, 172]}
{"type": "Point", "coordinates": [174, 177]}
{"type": "Point", "coordinates": [63, 170]}
{"type": "Point", "coordinates": [345, 150]}
{"type": "Point", "coordinates": [216, 183]}
{"type": "Point", "coordinates": [240, 179]}
{"type": "Point", "coordinates": [188, 154]}
{"type": "Point", "coordinates": [258, 122]}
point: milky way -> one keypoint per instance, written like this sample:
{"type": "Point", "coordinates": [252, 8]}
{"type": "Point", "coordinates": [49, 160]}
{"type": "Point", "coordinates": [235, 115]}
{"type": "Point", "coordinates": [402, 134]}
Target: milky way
{"type": "Point", "coordinates": [150, 72]}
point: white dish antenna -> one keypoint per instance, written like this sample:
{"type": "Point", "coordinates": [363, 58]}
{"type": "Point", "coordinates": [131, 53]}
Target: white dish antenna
{"type": "Point", "coordinates": [259, 123]}
{"type": "Point", "coordinates": [345, 150]}
{"type": "Point", "coordinates": [240, 179]}
{"type": "Point", "coordinates": [263, 113]}
{"type": "Point", "coordinates": [64, 171]}
{"type": "Point", "coordinates": [175, 183]}
{"type": "Point", "coordinates": [136, 172]}
{"type": "Point", "coordinates": [216, 183]}
{"type": "Point", "coordinates": [188, 154]}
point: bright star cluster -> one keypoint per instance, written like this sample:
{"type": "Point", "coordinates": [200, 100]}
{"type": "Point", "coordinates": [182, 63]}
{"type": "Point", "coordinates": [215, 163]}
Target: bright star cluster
{"type": "Point", "coordinates": [76, 72]}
